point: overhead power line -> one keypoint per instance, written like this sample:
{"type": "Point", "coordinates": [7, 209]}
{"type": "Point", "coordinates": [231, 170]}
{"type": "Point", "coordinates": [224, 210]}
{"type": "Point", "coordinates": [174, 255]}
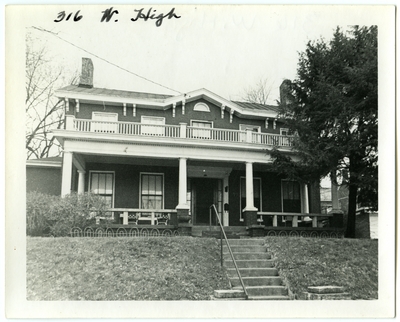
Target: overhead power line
{"type": "Point", "coordinates": [105, 60]}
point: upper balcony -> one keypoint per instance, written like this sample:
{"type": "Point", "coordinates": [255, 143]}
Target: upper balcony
{"type": "Point", "coordinates": [180, 132]}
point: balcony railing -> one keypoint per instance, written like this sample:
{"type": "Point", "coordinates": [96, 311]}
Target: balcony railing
{"type": "Point", "coordinates": [177, 131]}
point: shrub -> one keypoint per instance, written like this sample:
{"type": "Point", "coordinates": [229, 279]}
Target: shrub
{"type": "Point", "coordinates": [57, 216]}
{"type": "Point", "coordinates": [37, 213]}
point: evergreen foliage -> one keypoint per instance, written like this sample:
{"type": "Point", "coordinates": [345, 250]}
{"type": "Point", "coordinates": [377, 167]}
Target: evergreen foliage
{"type": "Point", "coordinates": [332, 106]}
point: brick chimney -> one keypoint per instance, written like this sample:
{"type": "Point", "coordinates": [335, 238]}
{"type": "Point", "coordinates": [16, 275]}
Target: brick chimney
{"type": "Point", "coordinates": [284, 91]}
{"type": "Point", "coordinates": [86, 79]}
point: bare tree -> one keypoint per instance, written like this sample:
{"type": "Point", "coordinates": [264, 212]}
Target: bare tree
{"type": "Point", "coordinates": [43, 110]}
{"type": "Point", "coordinates": [259, 93]}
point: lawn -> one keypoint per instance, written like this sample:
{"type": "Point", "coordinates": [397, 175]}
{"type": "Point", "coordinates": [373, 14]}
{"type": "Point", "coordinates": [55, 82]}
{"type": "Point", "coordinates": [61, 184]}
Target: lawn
{"type": "Point", "coordinates": [351, 263]}
{"type": "Point", "coordinates": [96, 269]}
{"type": "Point", "coordinates": [186, 268]}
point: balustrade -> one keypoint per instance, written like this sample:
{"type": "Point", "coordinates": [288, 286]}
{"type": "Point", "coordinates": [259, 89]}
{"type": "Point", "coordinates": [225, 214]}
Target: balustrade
{"type": "Point", "coordinates": [179, 131]}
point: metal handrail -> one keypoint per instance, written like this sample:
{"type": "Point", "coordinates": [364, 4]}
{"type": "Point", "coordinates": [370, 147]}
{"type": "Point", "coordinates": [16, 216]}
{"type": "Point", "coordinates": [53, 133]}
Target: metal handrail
{"type": "Point", "coordinates": [229, 248]}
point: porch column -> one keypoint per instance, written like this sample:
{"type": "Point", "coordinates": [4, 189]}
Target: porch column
{"type": "Point", "coordinates": [182, 208]}
{"type": "Point", "coordinates": [249, 187]}
{"type": "Point", "coordinates": [81, 181]}
{"type": "Point", "coordinates": [66, 173]}
{"type": "Point", "coordinates": [250, 212]}
{"type": "Point", "coordinates": [306, 205]}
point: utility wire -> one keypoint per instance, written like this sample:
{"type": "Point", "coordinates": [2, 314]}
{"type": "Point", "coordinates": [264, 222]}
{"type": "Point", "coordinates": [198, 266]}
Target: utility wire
{"type": "Point", "coordinates": [103, 59]}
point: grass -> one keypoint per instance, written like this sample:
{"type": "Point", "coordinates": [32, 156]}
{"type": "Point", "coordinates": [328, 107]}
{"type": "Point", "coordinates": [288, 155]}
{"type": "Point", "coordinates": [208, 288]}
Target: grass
{"type": "Point", "coordinates": [96, 269]}
{"type": "Point", "coordinates": [351, 263]}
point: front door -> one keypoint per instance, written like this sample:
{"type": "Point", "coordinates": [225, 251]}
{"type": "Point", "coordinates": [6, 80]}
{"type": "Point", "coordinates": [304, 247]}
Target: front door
{"type": "Point", "coordinates": [204, 194]}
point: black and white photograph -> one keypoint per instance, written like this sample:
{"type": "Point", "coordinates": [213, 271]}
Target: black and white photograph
{"type": "Point", "coordinates": [200, 161]}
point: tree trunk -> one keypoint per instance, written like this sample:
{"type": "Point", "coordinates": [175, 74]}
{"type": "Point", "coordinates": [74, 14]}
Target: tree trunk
{"type": "Point", "coordinates": [353, 189]}
{"type": "Point", "coordinates": [351, 213]}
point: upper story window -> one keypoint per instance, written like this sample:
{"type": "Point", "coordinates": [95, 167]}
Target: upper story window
{"type": "Point", "coordinates": [155, 125]}
{"type": "Point", "coordinates": [201, 129]}
{"type": "Point", "coordinates": [106, 122]}
{"type": "Point", "coordinates": [250, 128]}
{"type": "Point", "coordinates": [284, 131]}
{"type": "Point", "coordinates": [201, 107]}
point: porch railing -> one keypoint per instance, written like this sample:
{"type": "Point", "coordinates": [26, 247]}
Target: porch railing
{"type": "Point", "coordinates": [177, 131]}
{"type": "Point", "coordinates": [290, 216]}
{"type": "Point", "coordinates": [137, 216]}
{"type": "Point", "coordinates": [223, 234]}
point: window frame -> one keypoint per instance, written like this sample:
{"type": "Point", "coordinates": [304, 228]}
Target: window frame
{"type": "Point", "coordinates": [113, 127]}
{"type": "Point", "coordinates": [113, 185]}
{"type": "Point", "coordinates": [198, 107]}
{"type": "Point", "coordinates": [240, 192]}
{"type": "Point", "coordinates": [204, 129]}
{"type": "Point", "coordinates": [300, 193]}
{"type": "Point", "coordinates": [158, 131]}
{"type": "Point", "coordinates": [140, 187]}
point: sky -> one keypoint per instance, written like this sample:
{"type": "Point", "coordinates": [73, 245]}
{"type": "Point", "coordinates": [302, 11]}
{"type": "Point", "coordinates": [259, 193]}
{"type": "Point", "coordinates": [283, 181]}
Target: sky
{"type": "Point", "coordinates": [225, 49]}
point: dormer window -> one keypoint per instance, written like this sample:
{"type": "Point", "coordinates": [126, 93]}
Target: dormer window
{"type": "Point", "coordinates": [201, 107]}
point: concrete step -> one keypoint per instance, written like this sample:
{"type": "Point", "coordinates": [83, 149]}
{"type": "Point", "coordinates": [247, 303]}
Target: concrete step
{"type": "Point", "coordinates": [257, 281]}
{"type": "Point", "coordinates": [252, 272]}
{"type": "Point", "coordinates": [253, 263]}
{"type": "Point", "coordinates": [245, 248]}
{"type": "Point", "coordinates": [248, 256]}
{"type": "Point", "coordinates": [269, 298]}
{"type": "Point", "coordinates": [271, 290]}
{"type": "Point", "coordinates": [229, 294]}
{"type": "Point", "coordinates": [246, 241]}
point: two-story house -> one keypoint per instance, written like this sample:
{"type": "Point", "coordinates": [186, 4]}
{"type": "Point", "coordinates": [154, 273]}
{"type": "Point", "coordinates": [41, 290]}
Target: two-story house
{"type": "Point", "coordinates": [182, 153]}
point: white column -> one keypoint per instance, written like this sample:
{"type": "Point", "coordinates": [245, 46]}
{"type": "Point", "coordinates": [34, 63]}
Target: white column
{"type": "Point", "coordinates": [182, 184]}
{"type": "Point", "coordinates": [66, 173]}
{"type": "Point", "coordinates": [225, 220]}
{"type": "Point", "coordinates": [81, 181]}
{"type": "Point", "coordinates": [249, 188]}
{"type": "Point", "coordinates": [306, 206]}
{"type": "Point", "coordinates": [69, 122]}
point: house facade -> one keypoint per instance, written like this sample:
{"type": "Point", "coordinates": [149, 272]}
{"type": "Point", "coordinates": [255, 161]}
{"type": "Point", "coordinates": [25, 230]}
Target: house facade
{"type": "Point", "coordinates": [181, 154]}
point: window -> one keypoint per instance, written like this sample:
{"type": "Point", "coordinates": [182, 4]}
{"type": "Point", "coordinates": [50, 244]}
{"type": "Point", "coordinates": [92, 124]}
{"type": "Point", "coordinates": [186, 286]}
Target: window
{"type": "Point", "coordinates": [285, 139]}
{"type": "Point", "coordinates": [202, 129]}
{"type": "Point", "coordinates": [102, 183]}
{"type": "Point", "coordinates": [256, 194]}
{"type": "Point", "coordinates": [251, 128]}
{"type": "Point", "coordinates": [291, 196]}
{"type": "Point", "coordinates": [201, 107]}
{"type": "Point", "coordinates": [155, 126]}
{"type": "Point", "coordinates": [151, 191]}
{"type": "Point", "coordinates": [105, 122]}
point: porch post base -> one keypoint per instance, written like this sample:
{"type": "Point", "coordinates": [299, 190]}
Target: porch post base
{"type": "Point", "coordinates": [337, 219]}
{"type": "Point", "coordinates": [182, 215]}
{"type": "Point", "coordinates": [256, 231]}
{"type": "Point", "coordinates": [250, 217]}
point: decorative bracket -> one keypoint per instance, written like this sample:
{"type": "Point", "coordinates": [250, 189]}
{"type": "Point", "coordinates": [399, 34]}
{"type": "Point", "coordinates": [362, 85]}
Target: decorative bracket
{"type": "Point", "coordinates": [183, 107]}
{"type": "Point", "coordinates": [222, 111]}
{"type": "Point", "coordinates": [134, 110]}
{"type": "Point", "coordinates": [266, 123]}
{"type": "Point", "coordinates": [77, 105]}
{"type": "Point", "coordinates": [124, 109]}
{"type": "Point", "coordinates": [173, 109]}
{"type": "Point", "coordinates": [231, 116]}
{"type": "Point", "coordinates": [274, 124]}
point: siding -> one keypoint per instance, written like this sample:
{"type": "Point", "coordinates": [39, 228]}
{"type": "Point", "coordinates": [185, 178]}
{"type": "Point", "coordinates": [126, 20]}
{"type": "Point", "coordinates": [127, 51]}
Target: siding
{"type": "Point", "coordinates": [85, 112]}
{"type": "Point", "coordinates": [44, 180]}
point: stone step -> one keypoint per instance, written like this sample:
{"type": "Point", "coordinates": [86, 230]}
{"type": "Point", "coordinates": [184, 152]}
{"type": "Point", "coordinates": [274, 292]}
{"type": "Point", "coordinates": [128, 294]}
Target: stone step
{"type": "Point", "coordinates": [229, 294]}
{"type": "Point", "coordinates": [248, 272]}
{"type": "Point", "coordinates": [245, 248]}
{"type": "Point", "coordinates": [246, 241]}
{"type": "Point", "coordinates": [247, 256]}
{"type": "Point", "coordinates": [257, 281]}
{"type": "Point", "coordinates": [253, 263]}
{"type": "Point", "coordinates": [271, 290]}
{"type": "Point", "coordinates": [269, 298]}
